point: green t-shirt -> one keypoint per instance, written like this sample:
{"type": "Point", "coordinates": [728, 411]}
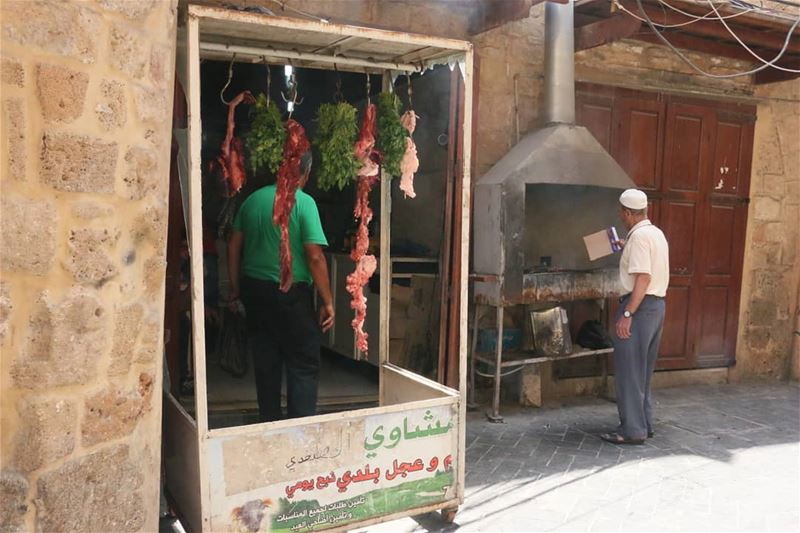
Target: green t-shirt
{"type": "Point", "coordinates": [262, 239]}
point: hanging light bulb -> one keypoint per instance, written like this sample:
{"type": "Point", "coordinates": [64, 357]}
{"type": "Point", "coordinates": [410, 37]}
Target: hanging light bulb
{"type": "Point", "coordinates": [287, 71]}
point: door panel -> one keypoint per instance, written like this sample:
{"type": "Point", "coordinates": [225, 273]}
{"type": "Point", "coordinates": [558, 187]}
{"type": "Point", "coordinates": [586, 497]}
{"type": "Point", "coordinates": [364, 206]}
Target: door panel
{"type": "Point", "coordinates": [720, 240]}
{"type": "Point", "coordinates": [687, 142]}
{"type": "Point", "coordinates": [686, 168]}
{"type": "Point", "coordinates": [596, 117]}
{"type": "Point", "coordinates": [679, 226]}
{"type": "Point", "coordinates": [675, 338]}
{"type": "Point", "coordinates": [654, 211]}
{"type": "Point", "coordinates": [726, 172]}
{"type": "Point", "coordinates": [638, 148]}
{"type": "Point", "coordinates": [714, 302]}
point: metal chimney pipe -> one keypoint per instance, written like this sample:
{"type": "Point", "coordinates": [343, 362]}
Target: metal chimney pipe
{"type": "Point", "coordinates": [559, 63]}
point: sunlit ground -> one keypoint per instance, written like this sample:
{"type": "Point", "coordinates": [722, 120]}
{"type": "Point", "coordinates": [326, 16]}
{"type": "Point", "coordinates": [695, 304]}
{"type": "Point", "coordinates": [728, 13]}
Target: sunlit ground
{"type": "Point", "coordinates": [724, 458]}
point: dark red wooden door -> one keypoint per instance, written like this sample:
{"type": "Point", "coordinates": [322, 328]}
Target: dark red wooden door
{"type": "Point", "coordinates": [693, 159]}
{"type": "Point", "coordinates": [724, 216]}
{"type": "Point", "coordinates": [687, 141]}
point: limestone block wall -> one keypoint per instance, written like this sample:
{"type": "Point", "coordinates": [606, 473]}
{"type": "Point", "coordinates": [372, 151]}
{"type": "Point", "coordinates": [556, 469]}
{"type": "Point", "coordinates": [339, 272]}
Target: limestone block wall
{"type": "Point", "coordinates": [86, 115]}
{"type": "Point", "coordinates": [770, 297]}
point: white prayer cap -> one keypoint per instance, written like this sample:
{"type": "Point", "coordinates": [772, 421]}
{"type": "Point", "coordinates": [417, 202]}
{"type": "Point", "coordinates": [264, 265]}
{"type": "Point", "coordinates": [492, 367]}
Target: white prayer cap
{"type": "Point", "coordinates": [633, 199]}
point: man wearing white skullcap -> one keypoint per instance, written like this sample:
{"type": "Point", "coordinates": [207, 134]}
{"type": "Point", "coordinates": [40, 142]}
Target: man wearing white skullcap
{"type": "Point", "coordinates": [644, 273]}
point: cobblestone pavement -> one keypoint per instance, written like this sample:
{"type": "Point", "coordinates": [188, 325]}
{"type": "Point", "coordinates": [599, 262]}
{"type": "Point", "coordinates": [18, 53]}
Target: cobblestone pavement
{"type": "Point", "coordinates": [724, 458]}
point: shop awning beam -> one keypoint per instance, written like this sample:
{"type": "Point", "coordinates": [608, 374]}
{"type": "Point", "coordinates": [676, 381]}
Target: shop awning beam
{"type": "Point", "coordinates": [255, 54]}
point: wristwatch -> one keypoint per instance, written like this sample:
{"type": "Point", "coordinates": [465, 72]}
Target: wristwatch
{"type": "Point", "coordinates": [627, 314]}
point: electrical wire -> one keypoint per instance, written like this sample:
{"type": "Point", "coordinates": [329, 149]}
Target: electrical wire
{"type": "Point", "coordinates": [502, 374]}
{"type": "Point", "coordinates": [786, 3]}
{"type": "Point", "coordinates": [694, 18]}
{"type": "Point", "coordinates": [744, 45]}
{"type": "Point", "coordinates": [708, 15]}
{"type": "Point", "coordinates": [708, 74]}
{"type": "Point", "coordinates": [285, 6]}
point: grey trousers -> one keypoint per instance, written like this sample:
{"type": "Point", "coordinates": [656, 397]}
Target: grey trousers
{"type": "Point", "coordinates": [634, 363]}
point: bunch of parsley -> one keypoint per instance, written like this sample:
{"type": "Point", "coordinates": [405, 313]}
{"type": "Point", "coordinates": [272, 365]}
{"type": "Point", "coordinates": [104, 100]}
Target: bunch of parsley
{"type": "Point", "coordinates": [336, 136]}
{"type": "Point", "coordinates": [391, 134]}
{"type": "Point", "coordinates": [267, 135]}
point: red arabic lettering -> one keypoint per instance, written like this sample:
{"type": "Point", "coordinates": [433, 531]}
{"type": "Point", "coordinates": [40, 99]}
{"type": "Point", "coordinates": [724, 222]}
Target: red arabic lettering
{"type": "Point", "coordinates": [344, 481]}
{"type": "Point", "coordinates": [401, 469]}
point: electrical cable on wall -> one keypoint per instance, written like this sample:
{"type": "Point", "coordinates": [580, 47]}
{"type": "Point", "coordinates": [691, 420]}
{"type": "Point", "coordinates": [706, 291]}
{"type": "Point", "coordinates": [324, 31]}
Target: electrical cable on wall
{"type": "Point", "coordinates": [708, 15]}
{"type": "Point", "coordinates": [689, 62]}
{"type": "Point", "coordinates": [744, 6]}
{"type": "Point", "coordinates": [285, 6]}
{"type": "Point", "coordinates": [744, 45]}
{"type": "Point", "coordinates": [693, 18]}
{"type": "Point", "coordinates": [736, 4]}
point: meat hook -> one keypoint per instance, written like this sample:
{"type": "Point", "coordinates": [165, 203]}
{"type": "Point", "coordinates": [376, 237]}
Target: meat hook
{"type": "Point", "coordinates": [269, 77]}
{"type": "Point", "coordinates": [292, 92]}
{"type": "Point", "coordinates": [338, 96]}
{"type": "Point", "coordinates": [369, 87]}
{"type": "Point", "coordinates": [227, 84]}
{"type": "Point", "coordinates": [408, 82]}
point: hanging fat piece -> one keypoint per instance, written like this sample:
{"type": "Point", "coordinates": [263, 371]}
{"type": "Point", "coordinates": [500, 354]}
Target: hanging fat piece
{"type": "Point", "coordinates": [409, 164]}
{"type": "Point", "coordinates": [231, 157]}
{"type": "Point", "coordinates": [369, 159]}
{"type": "Point", "coordinates": [288, 180]}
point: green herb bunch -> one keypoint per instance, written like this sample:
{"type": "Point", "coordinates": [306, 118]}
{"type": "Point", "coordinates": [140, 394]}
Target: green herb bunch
{"type": "Point", "coordinates": [335, 138]}
{"type": "Point", "coordinates": [391, 133]}
{"type": "Point", "coordinates": [266, 137]}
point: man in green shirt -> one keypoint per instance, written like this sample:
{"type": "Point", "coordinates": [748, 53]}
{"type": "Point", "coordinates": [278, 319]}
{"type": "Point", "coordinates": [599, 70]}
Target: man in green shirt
{"type": "Point", "coordinates": [283, 327]}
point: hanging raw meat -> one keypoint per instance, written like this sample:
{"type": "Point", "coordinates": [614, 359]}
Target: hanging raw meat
{"type": "Point", "coordinates": [356, 281]}
{"type": "Point", "coordinates": [363, 212]}
{"type": "Point", "coordinates": [369, 158]}
{"type": "Point", "coordinates": [231, 158]}
{"type": "Point", "coordinates": [288, 179]}
{"type": "Point", "coordinates": [409, 164]}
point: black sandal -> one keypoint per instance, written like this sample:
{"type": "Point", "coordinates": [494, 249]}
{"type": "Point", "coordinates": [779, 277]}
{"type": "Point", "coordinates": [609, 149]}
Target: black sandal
{"type": "Point", "coordinates": [616, 438]}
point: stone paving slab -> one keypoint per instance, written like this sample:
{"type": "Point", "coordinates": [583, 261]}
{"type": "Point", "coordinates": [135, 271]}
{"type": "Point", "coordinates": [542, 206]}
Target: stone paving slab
{"type": "Point", "coordinates": [724, 458]}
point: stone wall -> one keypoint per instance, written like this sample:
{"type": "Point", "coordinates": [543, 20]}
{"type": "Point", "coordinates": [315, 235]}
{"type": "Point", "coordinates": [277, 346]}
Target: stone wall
{"type": "Point", "coordinates": [86, 115]}
{"type": "Point", "coordinates": [770, 297]}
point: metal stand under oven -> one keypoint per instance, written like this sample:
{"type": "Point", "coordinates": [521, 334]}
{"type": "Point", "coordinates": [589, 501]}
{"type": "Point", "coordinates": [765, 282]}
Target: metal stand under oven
{"type": "Point", "coordinates": [511, 360]}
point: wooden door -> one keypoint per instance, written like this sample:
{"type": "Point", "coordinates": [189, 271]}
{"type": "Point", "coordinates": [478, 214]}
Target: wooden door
{"type": "Point", "coordinates": [687, 143]}
{"type": "Point", "coordinates": [724, 215]}
{"type": "Point", "coordinates": [692, 157]}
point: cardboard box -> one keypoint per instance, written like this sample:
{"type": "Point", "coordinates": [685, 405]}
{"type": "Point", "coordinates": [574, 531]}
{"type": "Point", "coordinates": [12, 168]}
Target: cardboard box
{"type": "Point", "coordinates": [598, 245]}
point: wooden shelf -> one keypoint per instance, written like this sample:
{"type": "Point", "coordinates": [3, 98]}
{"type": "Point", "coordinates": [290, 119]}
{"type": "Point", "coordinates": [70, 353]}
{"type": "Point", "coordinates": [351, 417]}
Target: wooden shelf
{"type": "Point", "coordinates": [518, 358]}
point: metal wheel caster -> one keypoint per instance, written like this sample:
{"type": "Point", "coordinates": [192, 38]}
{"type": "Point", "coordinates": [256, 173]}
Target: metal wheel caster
{"type": "Point", "coordinates": [449, 514]}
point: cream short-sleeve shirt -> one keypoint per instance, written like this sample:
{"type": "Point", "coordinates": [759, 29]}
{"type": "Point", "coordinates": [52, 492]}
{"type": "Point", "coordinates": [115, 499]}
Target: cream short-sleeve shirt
{"type": "Point", "coordinates": [646, 252]}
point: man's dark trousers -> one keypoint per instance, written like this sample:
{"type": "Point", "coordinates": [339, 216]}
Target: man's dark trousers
{"type": "Point", "coordinates": [283, 332]}
{"type": "Point", "coordinates": [634, 363]}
